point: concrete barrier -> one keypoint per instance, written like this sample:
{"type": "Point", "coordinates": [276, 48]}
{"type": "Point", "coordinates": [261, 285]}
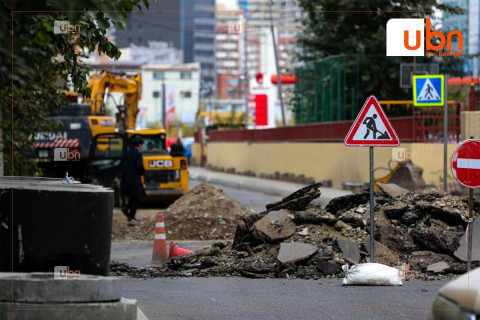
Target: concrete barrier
{"type": "Point", "coordinates": [41, 287]}
{"type": "Point", "coordinates": [323, 160]}
{"type": "Point", "coordinates": [39, 296]}
{"type": "Point", "coordinates": [54, 224]}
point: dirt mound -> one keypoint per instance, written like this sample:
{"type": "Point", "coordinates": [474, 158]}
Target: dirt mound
{"type": "Point", "coordinates": [204, 213]}
{"type": "Point", "coordinates": [418, 229]}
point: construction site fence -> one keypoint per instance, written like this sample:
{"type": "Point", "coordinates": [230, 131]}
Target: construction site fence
{"type": "Point", "coordinates": [335, 88]}
{"type": "Point", "coordinates": [425, 125]}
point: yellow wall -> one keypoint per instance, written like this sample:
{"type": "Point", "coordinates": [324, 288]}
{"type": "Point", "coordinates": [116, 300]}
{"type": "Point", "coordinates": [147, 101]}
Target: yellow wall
{"type": "Point", "coordinates": [470, 124]}
{"type": "Point", "coordinates": [196, 158]}
{"type": "Point", "coordinates": [322, 161]}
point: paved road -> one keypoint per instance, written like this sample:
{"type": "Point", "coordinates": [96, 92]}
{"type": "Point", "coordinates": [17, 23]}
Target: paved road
{"type": "Point", "coordinates": [138, 253]}
{"type": "Point", "coordinates": [254, 200]}
{"type": "Point", "coordinates": [240, 298]}
{"type": "Point", "coordinates": [258, 185]}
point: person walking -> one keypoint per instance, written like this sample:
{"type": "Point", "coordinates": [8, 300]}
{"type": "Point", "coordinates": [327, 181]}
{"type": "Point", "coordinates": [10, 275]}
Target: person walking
{"type": "Point", "coordinates": [131, 185]}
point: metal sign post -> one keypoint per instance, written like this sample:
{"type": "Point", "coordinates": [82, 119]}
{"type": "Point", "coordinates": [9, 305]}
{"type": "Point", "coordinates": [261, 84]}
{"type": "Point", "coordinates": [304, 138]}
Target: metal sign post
{"type": "Point", "coordinates": [372, 203]}
{"type": "Point", "coordinates": [371, 129]}
{"type": "Point", "coordinates": [470, 227]}
{"type": "Point", "coordinates": [431, 90]}
{"type": "Point", "coordinates": [466, 169]}
{"type": "Point", "coordinates": [445, 136]}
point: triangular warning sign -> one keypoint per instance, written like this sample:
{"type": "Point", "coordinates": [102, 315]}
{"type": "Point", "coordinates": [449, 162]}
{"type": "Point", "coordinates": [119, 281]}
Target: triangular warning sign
{"type": "Point", "coordinates": [371, 128]}
{"type": "Point", "coordinates": [428, 92]}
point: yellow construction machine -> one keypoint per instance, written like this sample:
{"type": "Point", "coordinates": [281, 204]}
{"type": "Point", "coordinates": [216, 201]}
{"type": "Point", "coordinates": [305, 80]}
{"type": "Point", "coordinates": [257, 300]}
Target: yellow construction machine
{"type": "Point", "coordinates": [166, 174]}
{"type": "Point", "coordinates": [404, 173]}
{"type": "Point", "coordinates": [92, 144]}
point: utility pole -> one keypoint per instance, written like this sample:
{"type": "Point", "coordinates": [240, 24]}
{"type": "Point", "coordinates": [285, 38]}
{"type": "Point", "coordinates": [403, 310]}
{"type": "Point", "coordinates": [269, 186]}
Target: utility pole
{"type": "Point", "coordinates": [279, 82]}
{"type": "Point", "coordinates": [164, 106]}
{"type": "Point", "coordinates": [1, 146]}
{"type": "Point", "coordinates": [245, 84]}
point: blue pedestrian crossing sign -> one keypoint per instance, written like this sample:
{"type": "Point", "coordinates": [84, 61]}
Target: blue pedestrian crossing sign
{"type": "Point", "coordinates": [429, 90]}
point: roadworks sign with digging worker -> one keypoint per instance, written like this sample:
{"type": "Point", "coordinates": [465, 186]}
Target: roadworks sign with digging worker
{"type": "Point", "coordinates": [372, 128]}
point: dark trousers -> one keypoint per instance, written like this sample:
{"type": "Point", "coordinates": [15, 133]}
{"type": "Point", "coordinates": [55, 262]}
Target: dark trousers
{"type": "Point", "coordinates": [132, 207]}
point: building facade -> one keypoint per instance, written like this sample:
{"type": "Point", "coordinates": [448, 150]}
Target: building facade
{"type": "Point", "coordinates": [229, 54]}
{"type": "Point", "coordinates": [283, 14]}
{"type": "Point", "coordinates": [179, 83]}
{"type": "Point", "coordinates": [474, 34]}
{"type": "Point", "coordinates": [189, 25]}
{"type": "Point", "coordinates": [458, 22]}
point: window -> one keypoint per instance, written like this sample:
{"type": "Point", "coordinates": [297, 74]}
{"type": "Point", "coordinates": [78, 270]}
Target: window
{"type": "Point", "coordinates": [158, 75]}
{"type": "Point", "coordinates": [205, 53]}
{"type": "Point", "coordinates": [185, 75]}
{"type": "Point", "coordinates": [186, 94]}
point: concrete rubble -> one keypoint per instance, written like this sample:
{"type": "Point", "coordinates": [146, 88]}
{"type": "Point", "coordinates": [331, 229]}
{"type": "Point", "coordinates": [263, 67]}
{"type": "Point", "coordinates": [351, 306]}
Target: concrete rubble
{"type": "Point", "coordinates": [392, 190]}
{"type": "Point", "coordinates": [294, 239]}
{"type": "Point", "coordinates": [462, 251]}
{"type": "Point", "coordinates": [350, 251]}
{"type": "Point", "coordinates": [438, 267]}
{"type": "Point", "coordinates": [203, 213]}
{"type": "Point", "coordinates": [295, 251]}
{"type": "Point", "coordinates": [275, 226]}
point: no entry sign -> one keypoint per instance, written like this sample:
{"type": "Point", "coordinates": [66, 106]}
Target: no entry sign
{"type": "Point", "coordinates": [466, 163]}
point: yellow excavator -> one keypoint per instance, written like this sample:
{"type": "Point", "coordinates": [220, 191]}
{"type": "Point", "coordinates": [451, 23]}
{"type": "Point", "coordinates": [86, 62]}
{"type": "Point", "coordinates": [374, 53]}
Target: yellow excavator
{"type": "Point", "coordinates": [91, 144]}
{"type": "Point", "coordinates": [166, 174]}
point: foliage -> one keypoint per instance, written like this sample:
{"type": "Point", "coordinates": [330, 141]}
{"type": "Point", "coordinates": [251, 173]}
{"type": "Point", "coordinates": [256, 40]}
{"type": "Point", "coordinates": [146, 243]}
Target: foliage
{"type": "Point", "coordinates": [230, 120]}
{"type": "Point", "coordinates": [36, 63]}
{"type": "Point", "coordinates": [358, 27]}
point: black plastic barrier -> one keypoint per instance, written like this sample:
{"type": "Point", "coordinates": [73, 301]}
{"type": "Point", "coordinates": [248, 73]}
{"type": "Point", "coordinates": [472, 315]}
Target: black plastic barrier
{"type": "Point", "coordinates": [54, 224]}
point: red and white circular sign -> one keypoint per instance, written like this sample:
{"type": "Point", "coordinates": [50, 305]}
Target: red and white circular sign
{"type": "Point", "coordinates": [466, 163]}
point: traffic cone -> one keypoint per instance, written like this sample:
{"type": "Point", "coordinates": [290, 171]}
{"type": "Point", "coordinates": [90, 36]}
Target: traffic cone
{"type": "Point", "coordinates": [160, 255]}
{"type": "Point", "coordinates": [176, 250]}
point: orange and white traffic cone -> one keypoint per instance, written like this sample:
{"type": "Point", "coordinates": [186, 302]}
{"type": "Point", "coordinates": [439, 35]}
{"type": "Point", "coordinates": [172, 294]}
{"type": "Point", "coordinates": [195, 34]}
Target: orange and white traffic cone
{"type": "Point", "coordinates": [160, 255]}
{"type": "Point", "coordinates": [176, 250]}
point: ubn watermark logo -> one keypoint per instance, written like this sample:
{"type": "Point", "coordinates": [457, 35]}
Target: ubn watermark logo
{"type": "Point", "coordinates": [406, 273]}
{"type": "Point", "coordinates": [402, 154]}
{"type": "Point", "coordinates": [64, 26]}
{"type": "Point", "coordinates": [66, 154]}
{"type": "Point", "coordinates": [64, 273]}
{"type": "Point", "coordinates": [240, 27]}
{"type": "Point", "coordinates": [410, 37]}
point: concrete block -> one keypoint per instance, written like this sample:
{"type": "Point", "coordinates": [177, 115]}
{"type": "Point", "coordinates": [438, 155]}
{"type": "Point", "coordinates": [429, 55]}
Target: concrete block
{"type": "Point", "coordinates": [41, 287]}
{"type": "Point", "coordinates": [125, 309]}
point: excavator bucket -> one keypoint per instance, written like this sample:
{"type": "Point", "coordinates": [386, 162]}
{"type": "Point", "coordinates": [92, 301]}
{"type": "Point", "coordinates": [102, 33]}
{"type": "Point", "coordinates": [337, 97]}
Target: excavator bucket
{"type": "Point", "coordinates": [408, 176]}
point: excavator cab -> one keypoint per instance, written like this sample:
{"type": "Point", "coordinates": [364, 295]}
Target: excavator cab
{"type": "Point", "coordinates": [106, 159]}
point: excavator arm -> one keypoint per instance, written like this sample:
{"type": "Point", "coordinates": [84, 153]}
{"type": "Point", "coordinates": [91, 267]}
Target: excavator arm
{"type": "Point", "coordinates": [105, 82]}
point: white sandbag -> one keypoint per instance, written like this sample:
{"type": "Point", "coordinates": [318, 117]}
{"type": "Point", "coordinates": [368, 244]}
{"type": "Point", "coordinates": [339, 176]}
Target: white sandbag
{"type": "Point", "coordinates": [371, 274]}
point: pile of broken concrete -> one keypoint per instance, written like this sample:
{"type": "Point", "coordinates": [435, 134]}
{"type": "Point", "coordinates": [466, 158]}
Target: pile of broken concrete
{"type": "Point", "coordinates": [295, 239]}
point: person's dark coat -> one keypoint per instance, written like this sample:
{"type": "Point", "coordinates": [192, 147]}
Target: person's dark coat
{"type": "Point", "coordinates": [131, 176]}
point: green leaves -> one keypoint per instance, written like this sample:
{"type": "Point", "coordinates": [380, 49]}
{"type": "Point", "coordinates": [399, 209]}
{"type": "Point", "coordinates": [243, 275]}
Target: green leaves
{"type": "Point", "coordinates": [356, 30]}
{"type": "Point", "coordinates": [41, 59]}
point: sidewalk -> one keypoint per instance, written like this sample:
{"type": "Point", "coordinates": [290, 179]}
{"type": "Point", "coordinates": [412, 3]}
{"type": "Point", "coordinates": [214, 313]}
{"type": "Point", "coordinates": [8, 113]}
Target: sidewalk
{"type": "Point", "coordinates": [271, 187]}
